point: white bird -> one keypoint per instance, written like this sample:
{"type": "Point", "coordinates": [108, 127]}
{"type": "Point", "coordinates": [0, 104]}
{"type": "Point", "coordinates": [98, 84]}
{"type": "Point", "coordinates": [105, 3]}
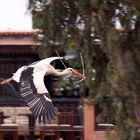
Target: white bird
{"type": "Point", "coordinates": [33, 89]}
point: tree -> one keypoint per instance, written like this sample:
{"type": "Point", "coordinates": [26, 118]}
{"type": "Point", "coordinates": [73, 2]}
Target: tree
{"type": "Point", "coordinates": [107, 33]}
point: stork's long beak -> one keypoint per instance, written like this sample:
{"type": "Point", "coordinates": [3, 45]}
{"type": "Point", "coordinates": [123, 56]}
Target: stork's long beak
{"type": "Point", "coordinates": [77, 74]}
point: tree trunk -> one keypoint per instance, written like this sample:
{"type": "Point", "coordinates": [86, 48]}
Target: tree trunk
{"type": "Point", "coordinates": [126, 66]}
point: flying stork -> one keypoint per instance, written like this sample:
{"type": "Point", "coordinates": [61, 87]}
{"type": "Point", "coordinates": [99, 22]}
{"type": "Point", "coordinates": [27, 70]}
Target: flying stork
{"type": "Point", "coordinates": [32, 87]}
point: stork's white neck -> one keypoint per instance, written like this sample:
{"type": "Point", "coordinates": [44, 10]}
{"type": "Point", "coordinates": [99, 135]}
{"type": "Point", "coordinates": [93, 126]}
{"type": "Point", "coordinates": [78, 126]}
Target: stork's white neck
{"type": "Point", "coordinates": [61, 73]}
{"type": "Point", "coordinates": [52, 71]}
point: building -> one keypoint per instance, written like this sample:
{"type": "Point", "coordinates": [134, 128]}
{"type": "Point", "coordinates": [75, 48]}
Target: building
{"type": "Point", "coordinates": [18, 48]}
{"type": "Point", "coordinates": [75, 121]}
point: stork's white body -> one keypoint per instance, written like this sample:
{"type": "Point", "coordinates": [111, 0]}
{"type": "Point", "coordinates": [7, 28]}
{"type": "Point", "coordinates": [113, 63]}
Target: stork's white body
{"type": "Point", "coordinates": [41, 68]}
{"type": "Point", "coordinates": [16, 76]}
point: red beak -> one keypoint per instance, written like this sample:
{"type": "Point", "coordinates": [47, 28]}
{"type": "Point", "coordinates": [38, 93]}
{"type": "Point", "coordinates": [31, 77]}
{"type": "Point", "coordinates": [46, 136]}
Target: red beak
{"type": "Point", "coordinates": [77, 74]}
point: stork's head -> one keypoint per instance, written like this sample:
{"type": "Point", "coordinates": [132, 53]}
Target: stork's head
{"type": "Point", "coordinates": [73, 72]}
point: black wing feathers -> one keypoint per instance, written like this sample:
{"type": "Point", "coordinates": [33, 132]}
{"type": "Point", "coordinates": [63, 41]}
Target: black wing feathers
{"type": "Point", "coordinates": [40, 104]}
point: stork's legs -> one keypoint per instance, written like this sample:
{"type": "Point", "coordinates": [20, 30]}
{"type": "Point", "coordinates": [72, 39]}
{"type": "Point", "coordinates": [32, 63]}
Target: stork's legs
{"type": "Point", "coordinates": [6, 81]}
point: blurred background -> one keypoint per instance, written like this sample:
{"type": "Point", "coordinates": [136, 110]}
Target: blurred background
{"type": "Point", "coordinates": [103, 36]}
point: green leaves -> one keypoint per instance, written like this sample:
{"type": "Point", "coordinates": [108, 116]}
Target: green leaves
{"type": "Point", "coordinates": [74, 26]}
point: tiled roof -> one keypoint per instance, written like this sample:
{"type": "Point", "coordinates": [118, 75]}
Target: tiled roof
{"type": "Point", "coordinates": [16, 32]}
{"type": "Point", "coordinates": [18, 37]}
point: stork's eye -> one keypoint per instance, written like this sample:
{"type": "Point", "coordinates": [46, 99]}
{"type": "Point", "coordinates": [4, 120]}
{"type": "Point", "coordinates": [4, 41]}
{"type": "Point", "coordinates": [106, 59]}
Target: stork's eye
{"type": "Point", "coordinates": [70, 71]}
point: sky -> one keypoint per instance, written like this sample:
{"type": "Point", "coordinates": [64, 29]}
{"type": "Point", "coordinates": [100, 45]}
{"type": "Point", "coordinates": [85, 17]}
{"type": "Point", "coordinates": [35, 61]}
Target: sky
{"type": "Point", "coordinates": [14, 15]}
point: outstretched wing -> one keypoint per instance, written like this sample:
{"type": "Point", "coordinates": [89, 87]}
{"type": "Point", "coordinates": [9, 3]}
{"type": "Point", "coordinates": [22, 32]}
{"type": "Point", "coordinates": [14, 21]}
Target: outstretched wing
{"type": "Point", "coordinates": [36, 96]}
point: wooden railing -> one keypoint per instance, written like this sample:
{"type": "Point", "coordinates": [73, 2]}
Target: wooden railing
{"type": "Point", "coordinates": [68, 110]}
{"type": "Point", "coordinates": [63, 118]}
{"type": "Point", "coordinates": [69, 118]}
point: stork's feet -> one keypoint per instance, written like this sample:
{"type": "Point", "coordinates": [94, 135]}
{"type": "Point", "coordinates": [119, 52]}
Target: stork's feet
{"type": "Point", "coordinates": [6, 81]}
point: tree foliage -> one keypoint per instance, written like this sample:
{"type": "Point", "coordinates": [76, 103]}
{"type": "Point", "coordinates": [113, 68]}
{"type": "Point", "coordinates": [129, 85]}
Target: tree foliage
{"type": "Point", "coordinates": [107, 33]}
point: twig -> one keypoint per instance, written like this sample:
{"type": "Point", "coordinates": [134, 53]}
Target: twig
{"type": "Point", "coordinates": [83, 69]}
{"type": "Point", "coordinates": [61, 59]}
{"type": "Point", "coordinates": [82, 61]}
